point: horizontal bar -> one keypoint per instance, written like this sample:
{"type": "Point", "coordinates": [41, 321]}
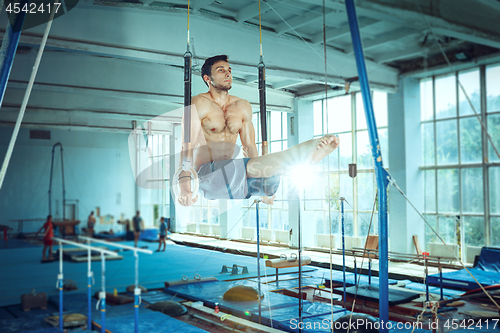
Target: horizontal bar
{"type": "Point", "coordinates": [116, 245]}
{"type": "Point", "coordinates": [55, 239]}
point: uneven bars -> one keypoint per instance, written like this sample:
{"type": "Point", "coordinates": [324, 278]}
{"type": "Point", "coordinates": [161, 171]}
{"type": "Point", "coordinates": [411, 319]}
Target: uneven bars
{"type": "Point", "coordinates": [84, 246]}
{"type": "Point", "coordinates": [116, 245]}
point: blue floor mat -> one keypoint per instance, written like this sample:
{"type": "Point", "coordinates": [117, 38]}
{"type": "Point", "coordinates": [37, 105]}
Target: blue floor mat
{"type": "Point", "coordinates": [4, 314]}
{"type": "Point", "coordinates": [118, 235]}
{"type": "Point", "coordinates": [275, 308]}
{"type": "Point", "coordinates": [77, 303]}
{"type": "Point", "coordinates": [22, 325]}
{"type": "Point", "coordinates": [154, 296]}
{"type": "Point", "coordinates": [17, 312]}
{"type": "Point", "coordinates": [351, 280]}
{"type": "Point", "coordinates": [151, 322]}
{"type": "Point", "coordinates": [487, 272]}
{"type": "Point", "coordinates": [49, 330]}
{"type": "Point", "coordinates": [461, 279]}
{"type": "Point", "coordinates": [434, 290]}
{"type": "Point", "coordinates": [16, 244]}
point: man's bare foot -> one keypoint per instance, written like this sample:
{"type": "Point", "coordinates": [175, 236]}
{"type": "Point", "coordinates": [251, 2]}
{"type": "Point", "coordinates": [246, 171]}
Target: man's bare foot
{"type": "Point", "coordinates": [326, 145]}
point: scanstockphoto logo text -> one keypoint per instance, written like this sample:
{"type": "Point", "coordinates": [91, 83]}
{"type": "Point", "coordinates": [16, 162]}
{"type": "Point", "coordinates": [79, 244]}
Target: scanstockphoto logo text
{"type": "Point", "coordinates": [326, 324]}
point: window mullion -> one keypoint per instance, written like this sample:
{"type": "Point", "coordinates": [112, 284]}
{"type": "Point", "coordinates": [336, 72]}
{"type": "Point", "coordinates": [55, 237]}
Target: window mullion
{"type": "Point", "coordinates": [354, 160]}
{"type": "Point", "coordinates": [486, 166]}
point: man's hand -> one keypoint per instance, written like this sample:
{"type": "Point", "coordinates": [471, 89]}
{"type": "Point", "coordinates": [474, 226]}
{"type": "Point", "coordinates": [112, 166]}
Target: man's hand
{"type": "Point", "coordinates": [268, 200]}
{"type": "Point", "coordinates": [186, 196]}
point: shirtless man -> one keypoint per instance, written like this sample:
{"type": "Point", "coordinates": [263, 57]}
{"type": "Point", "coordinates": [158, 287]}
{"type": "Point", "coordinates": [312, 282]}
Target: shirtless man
{"type": "Point", "coordinates": [217, 119]}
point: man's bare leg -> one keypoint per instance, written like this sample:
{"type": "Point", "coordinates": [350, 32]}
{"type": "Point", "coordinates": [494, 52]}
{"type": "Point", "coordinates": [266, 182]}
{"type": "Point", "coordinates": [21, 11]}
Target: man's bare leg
{"type": "Point", "coordinates": [309, 152]}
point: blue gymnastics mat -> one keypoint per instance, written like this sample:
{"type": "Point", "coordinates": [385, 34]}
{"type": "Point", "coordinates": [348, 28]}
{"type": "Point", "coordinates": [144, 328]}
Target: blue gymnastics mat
{"type": "Point", "coordinates": [487, 272]}
{"type": "Point", "coordinates": [49, 330]}
{"type": "Point", "coordinates": [351, 280]}
{"type": "Point", "coordinates": [117, 235]}
{"type": "Point", "coordinates": [17, 312]}
{"type": "Point", "coordinates": [149, 235]}
{"type": "Point", "coordinates": [434, 290]}
{"type": "Point", "coordinates": [151, 322]}
{"type": "Point", "coordinates": [16, 244]}
{"type": "Point", "coordinates": [24, 325]}
{"type": "Point", "coordinates": [275, 308]}
{"type": "Point", "coordinates": [153, 296]}
{"type": "Point", "coordinates": [77, 303]}
{"type": "Point", "coordinates": [4, 314]}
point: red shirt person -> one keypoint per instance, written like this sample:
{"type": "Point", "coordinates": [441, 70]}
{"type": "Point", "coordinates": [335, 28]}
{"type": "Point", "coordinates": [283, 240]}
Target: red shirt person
{"type": "Point", "coordinates": [48, 228]}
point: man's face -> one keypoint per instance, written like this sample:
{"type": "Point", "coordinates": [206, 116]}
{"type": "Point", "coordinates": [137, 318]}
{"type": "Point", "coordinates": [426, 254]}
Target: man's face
{"type": "Point", "coordinates": [221, 77]}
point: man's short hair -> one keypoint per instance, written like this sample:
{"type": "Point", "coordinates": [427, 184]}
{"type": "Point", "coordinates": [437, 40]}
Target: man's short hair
{"type": "Point", "coordinates": [206, 69]}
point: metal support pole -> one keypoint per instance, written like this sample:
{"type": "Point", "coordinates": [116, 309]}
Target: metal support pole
{"type": "Point", "coordinates": [441, 280]}
{"type": "Point", "coordinates": [355, 270]}
{"type": "Point", "coordinates": [90, 276]}
{"type": "Point", "coordinates": [369, 270]}
{"type": "Point", "coordinates": [258, 257]}
{"type": "Point", "coordinates": [60, 278]}
{"type": "Point", "coordinates": [9, 48]}
{"type": "Point", "coordinates": [137, 292]}
{"type": "Point", "coordinates": [262, 104]}
{"type": "Point", "coordinates": [300, 268]}
{"type": "Point", "coordinates": [426, 277]}
{"type": "Point", "coordinates": [381, 174]}
{"type": "Point", "coordinates": [102, 294]}
{"type": "Point", "coordinates": [343, 250]}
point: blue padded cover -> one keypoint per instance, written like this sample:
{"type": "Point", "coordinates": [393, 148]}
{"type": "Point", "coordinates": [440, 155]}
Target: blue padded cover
{"type": "Point", "coordinates": [107, 236]}
{"type": "Point", "coordinates": [149, 234]}
{"type": "Point", "coordinates": [434, 290]}
{"type": "Point", "coordinates": [462, 279]}
{"type": "Point", "coordinates": [489, 259]}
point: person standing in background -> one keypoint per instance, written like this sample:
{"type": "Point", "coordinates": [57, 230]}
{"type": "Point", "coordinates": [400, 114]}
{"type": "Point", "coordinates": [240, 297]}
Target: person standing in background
{"type": "Point", "coordinates": [47, 237]}
{"type": "Point", "coordinates": [91, 224]}
{"type": "Point", "coordinates": [163, 235]}
{"type": "Point", "coordinates": [137, 222]}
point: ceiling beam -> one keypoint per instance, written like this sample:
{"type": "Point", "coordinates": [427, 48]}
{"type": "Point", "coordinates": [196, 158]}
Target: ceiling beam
{"type": "Point", "coordinates": [407, 53]}
{"type": "Point", "coordinates": [494, 4]}
{"type": "Point", "coordinates": [144, 96]}
{"type": "Point", "coordinates": [70, 127]}
{"type": "Point", "coordinates": [197, 4]}
{"type": "Point", "coordinates": [91, 114]}
{"type": "Point", "coordinates": [285, 84]}
{"type": "Point", "coordinates": [468, 37]}
{"type": "Point", "coordinates": [344, 30]}
{"type": "Point", "coordinates": [248, 12]}
{"type": "Point", "coordinates": [462, 19]}
{"type": "Point", "coordinates": [300, 21]}
{"type": "Point", "coordinates": [383, 40]}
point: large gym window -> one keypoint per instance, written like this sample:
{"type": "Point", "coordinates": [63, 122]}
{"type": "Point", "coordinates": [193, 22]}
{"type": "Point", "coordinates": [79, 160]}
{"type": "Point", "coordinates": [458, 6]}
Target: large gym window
{"type": "Point", "coordinates": [344, 116]}
{"type": "Point", "coordinates": [273, 217]}
{"type": "Point", "coordinates": [461, 168]}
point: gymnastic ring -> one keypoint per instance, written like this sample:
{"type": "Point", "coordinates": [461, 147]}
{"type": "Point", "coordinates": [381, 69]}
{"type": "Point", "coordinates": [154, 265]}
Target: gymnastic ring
{"type": "Point", "coordinates": [185, 278]}
{"type": "Point", "coordinates": [175, 181]}
{"type": "Point", "coordinates": [293, 256]}
{"type": "Point", "coordinates": [197, 277]}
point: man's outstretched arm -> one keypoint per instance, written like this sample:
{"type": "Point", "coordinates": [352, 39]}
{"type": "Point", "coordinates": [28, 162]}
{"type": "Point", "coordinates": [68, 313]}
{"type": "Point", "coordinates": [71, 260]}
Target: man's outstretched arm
{"type": "Point", "coordinates": [196, 138]}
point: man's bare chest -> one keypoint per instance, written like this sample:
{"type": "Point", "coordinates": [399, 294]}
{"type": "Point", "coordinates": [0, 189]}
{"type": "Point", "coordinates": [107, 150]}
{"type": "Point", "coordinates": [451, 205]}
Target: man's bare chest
{"type": "Point", "coordinates": [218, 120]}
